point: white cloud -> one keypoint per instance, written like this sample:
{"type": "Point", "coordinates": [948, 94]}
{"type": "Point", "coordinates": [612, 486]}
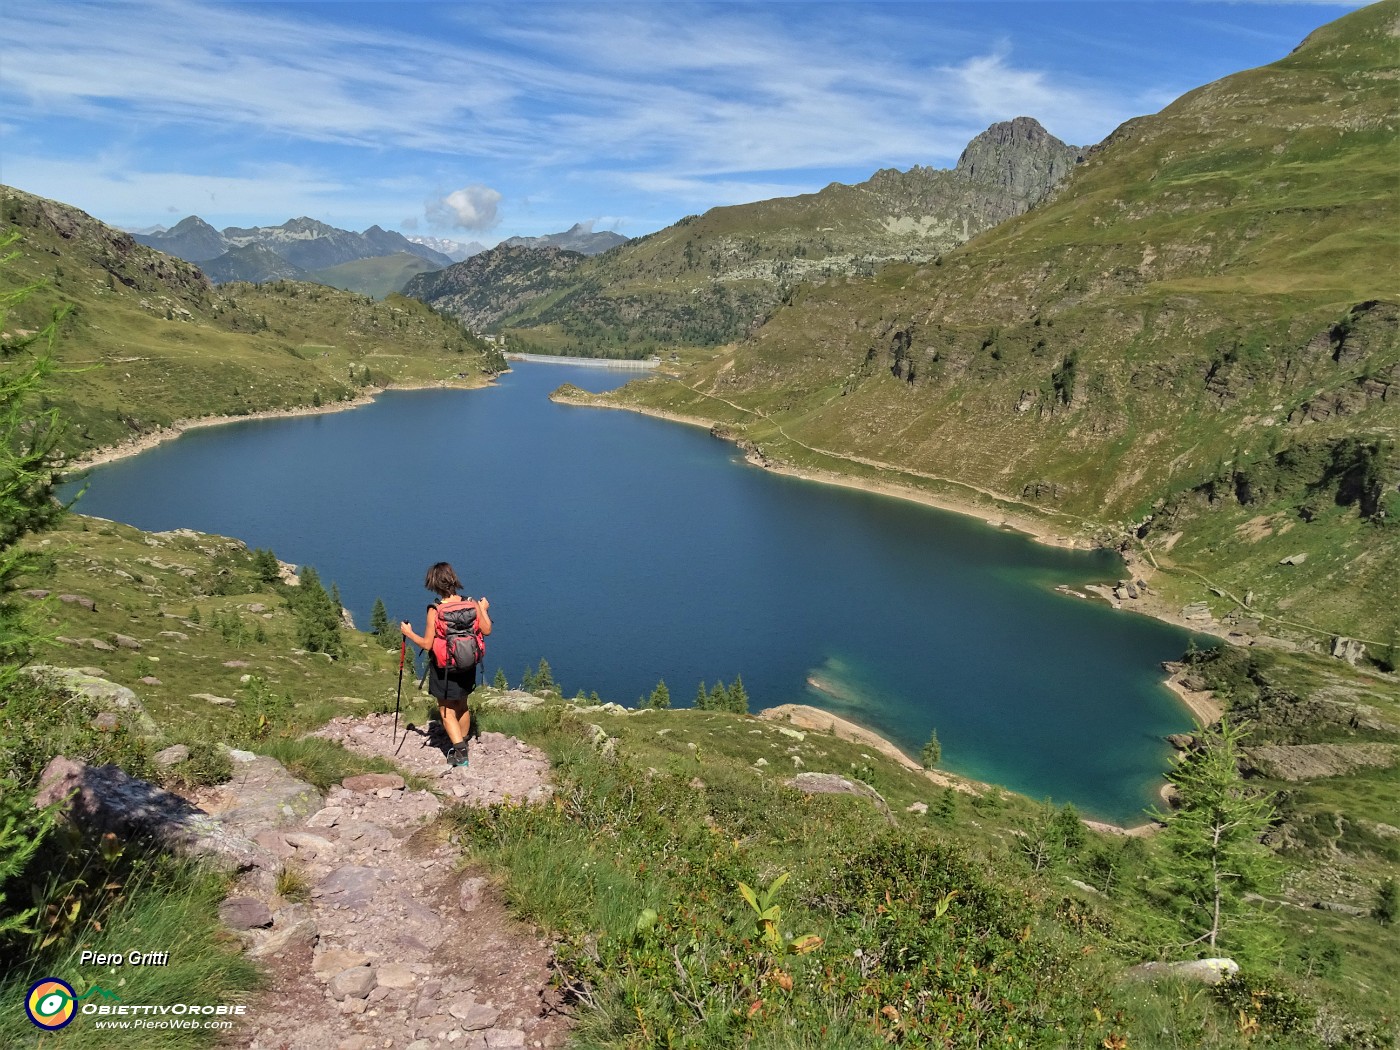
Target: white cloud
{"type": "Point", "coordinates": [470, 208]}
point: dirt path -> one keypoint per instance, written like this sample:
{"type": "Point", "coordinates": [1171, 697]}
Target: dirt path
{"type": "Point", "coordinates": [392, 945]}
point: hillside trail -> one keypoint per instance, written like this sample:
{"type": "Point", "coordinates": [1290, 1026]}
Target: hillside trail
{"type": "Point", "coordinates": [394, 946]}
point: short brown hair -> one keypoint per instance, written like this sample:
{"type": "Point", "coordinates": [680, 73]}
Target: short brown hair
{"type": "Point", "coordinates": [441, 580]}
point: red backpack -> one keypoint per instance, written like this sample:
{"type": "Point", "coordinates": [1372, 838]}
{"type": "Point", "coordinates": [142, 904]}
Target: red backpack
{"type": "Point", "coordinates": [458, 644]}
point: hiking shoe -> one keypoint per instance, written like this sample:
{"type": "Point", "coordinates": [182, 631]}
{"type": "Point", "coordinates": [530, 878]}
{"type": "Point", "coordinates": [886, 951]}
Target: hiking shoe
{"type": "Point", "coordinates": [461, 752]}
{"type": "Point", "coordinates": [451, 756]}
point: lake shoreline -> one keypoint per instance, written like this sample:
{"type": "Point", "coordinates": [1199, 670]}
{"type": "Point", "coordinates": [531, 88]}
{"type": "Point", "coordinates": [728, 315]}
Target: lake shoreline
{"type": "Point", "coordinates": [1027, 523]}
{"type": "Point", "coordinates": [148, 440]}
{"type": "Point", "coordinates": [816, 720]}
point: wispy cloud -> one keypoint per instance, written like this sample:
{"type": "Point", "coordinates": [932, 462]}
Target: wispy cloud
{"type": "Point", "coordinates": [388, 106]}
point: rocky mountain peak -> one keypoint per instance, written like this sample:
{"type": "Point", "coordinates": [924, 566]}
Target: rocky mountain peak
{"type": "Point", "coordinates": [302, 226]}
{"type": "Point", "coordinates": [1018, 156]}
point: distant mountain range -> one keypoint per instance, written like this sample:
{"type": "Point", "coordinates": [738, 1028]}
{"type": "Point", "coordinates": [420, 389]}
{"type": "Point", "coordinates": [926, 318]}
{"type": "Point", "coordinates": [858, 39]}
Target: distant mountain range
{"type": "Point", "coordinates": [454, 250]}
{"type": "Point", "coordinates": [302, 244]}
{"type": "Point", "coordinates": [577, 238]}
{"type": "Point", "coordinates": [307, 250]}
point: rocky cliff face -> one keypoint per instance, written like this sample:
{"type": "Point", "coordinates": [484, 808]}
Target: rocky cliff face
{"type": "Point", "coordinates": [124, 259]}
{"type": "Point", "coordinates": [1020, 161]}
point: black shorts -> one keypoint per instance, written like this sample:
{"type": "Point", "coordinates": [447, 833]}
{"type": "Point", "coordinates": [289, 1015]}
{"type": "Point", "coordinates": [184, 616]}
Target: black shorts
{"type": "Point", "coordinates": [449, 687]}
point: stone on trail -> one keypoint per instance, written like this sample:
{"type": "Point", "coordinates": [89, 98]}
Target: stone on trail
{"type": "Point", "coordinates": [329, 963]}
{"type": "Point", "coordinates": [244, 913]}
{"type": "Point", "coordinates": [469, 896]}
{"type": "Point", "coordinates": [474, 1016]}
{"type": "Point", "coordinates": [368, 782]}
{"type": "Point", "coordinates": [304, 840]}
{"type": "Point", "coordinates": [261, 795]}
{"type": "Point", "coordinates": [396, 975]}
{"type": "Point", "coordinates": [325, 818]}
{"type": "Point", "coordinates": [353, 886]}
{"type": "Point", "coordinates": [292, 927]}
{"type": "Point", "coordinates": [353, 983]}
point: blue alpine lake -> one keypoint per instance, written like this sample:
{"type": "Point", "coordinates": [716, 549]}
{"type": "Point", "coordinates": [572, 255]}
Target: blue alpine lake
{"type": "Point", "coordinates": [626, 550]}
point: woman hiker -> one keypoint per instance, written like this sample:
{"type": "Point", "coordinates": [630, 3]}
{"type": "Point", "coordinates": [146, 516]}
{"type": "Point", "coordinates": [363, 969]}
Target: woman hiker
{"type": "Point", "coordinates": [449, 687]}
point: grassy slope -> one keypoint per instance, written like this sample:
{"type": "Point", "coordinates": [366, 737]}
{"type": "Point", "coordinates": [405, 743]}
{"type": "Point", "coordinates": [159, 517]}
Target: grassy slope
{"type": "Point", "coordinates": [147, 340]}
{"type": "Point", "coordinates": [188, 600]}
{"type": "Point", "coordinates": [1153, 326]}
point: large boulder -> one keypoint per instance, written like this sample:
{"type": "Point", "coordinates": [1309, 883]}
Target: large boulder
{"type": "Point", "coordinates": [834, 784]}
{"type": "Point", "coordinates": [108, 697]}
{"type": "Point", "coordinates": [1202, 971]}
{"type": "Point", "coordinates": [103, 799]}
{"type": "Point", "coordinates": [261, 796]}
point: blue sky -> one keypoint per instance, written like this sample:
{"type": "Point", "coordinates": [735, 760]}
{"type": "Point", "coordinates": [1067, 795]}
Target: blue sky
{"type": "Point", "coordinates": [477, 121]}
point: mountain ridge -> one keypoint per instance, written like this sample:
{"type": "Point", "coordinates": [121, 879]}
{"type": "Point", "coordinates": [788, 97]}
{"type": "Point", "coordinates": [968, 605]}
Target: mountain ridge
{"type": "Point", "coordinates": [303, 243]}
{"type": "Point", "coordinates": [1191, 332]}
{"type": "Point", "coordinates": [708, 279]}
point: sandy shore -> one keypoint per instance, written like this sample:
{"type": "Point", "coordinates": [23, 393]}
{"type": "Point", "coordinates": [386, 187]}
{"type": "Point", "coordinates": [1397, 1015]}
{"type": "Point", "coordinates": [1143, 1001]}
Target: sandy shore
{"type": "Point", "coordinates": [149, 440]}
{"type": "Point", "coordinates": [1023, 523]}
{"type": "Point", "coordinates": [1202, 703]}
{"type": "Point", "coordinates": [1036, 528]}
{"type": "Point", "coordinates": [800, 716]}
{"type": "Point", "coordinates": [814, 719]}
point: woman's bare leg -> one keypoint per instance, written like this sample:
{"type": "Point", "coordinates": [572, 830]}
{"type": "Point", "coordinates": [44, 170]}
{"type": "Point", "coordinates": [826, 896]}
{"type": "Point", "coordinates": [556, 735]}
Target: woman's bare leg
{"type": "Point", "coordinates": [456, 720]}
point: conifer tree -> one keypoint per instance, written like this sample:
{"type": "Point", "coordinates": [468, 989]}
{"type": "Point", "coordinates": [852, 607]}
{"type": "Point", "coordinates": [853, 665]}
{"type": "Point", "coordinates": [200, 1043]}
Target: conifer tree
{"type": "Point", "coordinates": [379, 623]}
{"type": "Point", "coordinates": [719, 697]}
{"type": "Point", "coordinates": [265, 565]}
{"type": "Point", "coordinates": [1213, 841]}
{"type": "Point", "coordinates": [318, 616]}
{"type": "Point", "coordinates": [660, 698]}
{"type": "Point", "coordinates": [500, 680]}
{"type": "Point", "coordinates": [738, 696]}
{"type": "Point", "coordinates": [702, 698]}
{"type": "Point", "coordinates": [544, 677]}
{"type": "Point", "coordinates": [932, 751]}
{"type": "Point", "coordinates": [28, 440]}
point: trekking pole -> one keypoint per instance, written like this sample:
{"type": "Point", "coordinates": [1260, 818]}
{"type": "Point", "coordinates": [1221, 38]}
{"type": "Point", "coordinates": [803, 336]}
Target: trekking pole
{"type": "Point", "coordinates": [403, 652]}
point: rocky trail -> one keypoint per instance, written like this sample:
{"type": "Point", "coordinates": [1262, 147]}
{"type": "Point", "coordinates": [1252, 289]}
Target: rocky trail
{"type": "Point", "coordinates": [377, 937]}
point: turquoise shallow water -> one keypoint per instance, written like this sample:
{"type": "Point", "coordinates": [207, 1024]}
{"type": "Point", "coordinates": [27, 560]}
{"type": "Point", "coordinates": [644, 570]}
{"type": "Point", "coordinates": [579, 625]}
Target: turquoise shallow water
{"type": "Point", "coordinates": [625, 549]}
